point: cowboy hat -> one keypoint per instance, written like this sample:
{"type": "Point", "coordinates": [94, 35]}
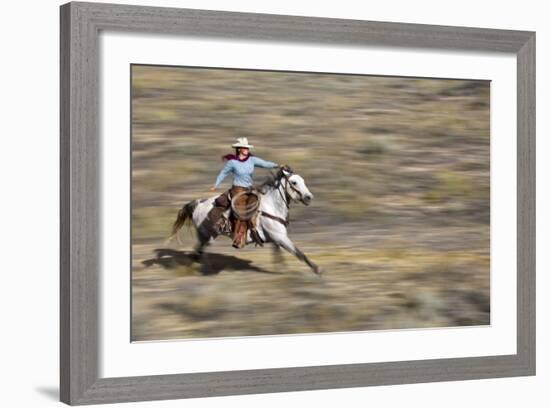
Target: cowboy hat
{"type": "Point", "coordinates": [242, 142]}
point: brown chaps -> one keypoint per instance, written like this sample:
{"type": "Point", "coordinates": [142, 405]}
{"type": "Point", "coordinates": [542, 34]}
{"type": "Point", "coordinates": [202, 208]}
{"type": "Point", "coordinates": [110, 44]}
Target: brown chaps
{"type": "Point", "coordinates": [241, 203]}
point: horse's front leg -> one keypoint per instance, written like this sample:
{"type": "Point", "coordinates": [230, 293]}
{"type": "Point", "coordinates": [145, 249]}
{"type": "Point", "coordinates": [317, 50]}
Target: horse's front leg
{"type": "Point", "coordinates": [287, 244]}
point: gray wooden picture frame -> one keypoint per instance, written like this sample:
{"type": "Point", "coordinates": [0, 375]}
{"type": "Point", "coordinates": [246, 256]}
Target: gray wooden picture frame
{"type": "Point", "coordinates": [81, 24]}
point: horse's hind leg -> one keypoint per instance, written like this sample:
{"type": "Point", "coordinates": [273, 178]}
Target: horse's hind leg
{"type": "Point", "coordinates": [204, 236]}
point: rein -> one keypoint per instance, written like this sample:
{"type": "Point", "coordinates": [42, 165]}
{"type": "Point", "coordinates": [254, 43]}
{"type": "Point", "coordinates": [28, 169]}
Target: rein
{"type": "Point", "coordinates": [274, 217]}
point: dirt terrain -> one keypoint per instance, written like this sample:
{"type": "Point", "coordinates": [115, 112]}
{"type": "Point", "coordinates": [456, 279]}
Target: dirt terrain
{"type": "Point", "coordinates": [399, 225]}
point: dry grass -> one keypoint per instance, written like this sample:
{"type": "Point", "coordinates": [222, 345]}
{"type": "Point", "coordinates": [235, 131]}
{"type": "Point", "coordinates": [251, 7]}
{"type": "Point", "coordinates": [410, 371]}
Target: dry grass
{"type": "Point", "coordinates": [400, 221]}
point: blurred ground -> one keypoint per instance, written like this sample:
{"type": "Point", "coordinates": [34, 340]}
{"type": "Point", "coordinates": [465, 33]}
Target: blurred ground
{"type": "Point", "coordinates": [400, 222]}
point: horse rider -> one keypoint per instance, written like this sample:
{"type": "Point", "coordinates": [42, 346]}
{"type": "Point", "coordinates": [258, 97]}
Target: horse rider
{"type": "Point", "coordinates": [240, 165]}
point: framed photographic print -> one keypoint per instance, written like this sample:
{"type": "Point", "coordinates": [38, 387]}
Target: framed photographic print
{"type": "Point", "coordinates": [260, 203]}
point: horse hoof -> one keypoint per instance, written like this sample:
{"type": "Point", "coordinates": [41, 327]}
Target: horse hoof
{"type": "Point", "coordinates": [317, 271]}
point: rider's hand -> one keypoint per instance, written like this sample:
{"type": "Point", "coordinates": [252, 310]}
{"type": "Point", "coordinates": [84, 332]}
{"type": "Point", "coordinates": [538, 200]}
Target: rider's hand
{"type": "Point", "coordinates": [212, 188]}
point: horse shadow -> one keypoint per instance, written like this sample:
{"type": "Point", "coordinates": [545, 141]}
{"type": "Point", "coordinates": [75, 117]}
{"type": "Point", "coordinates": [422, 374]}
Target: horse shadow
{"type": "Point", "coordinates": [210, 263]}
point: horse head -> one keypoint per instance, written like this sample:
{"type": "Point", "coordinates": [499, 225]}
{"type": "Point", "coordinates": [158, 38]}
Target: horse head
{"type": "Point", "coordinates": [294, 185]}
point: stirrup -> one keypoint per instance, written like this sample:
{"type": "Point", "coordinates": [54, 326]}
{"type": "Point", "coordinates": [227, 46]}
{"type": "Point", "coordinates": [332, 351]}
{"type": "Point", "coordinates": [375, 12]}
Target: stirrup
{"type": "Point", "coordinates": [256, 237]}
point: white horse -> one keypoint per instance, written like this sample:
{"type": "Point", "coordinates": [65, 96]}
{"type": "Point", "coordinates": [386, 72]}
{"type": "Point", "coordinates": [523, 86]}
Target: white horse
{"type": "Point", "coordinates": [275, 197]}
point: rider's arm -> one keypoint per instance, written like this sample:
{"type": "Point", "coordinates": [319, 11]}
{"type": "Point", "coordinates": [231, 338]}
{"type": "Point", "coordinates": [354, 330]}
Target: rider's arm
{"type": "Point", "coordinates": [223, 173]}
{"type": "Point", "coordinates": [264, 163]}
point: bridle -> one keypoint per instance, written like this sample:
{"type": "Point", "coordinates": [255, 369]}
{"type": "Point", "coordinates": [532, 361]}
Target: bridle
{"type": "Point", "coordinates": [287, 198]}
{"type": "Point", "coordinates": [285, 195]}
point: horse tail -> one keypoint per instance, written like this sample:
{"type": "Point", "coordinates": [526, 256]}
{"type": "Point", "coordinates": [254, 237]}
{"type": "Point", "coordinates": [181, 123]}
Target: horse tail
{"type": "Point", "coordinates": [185, 215]}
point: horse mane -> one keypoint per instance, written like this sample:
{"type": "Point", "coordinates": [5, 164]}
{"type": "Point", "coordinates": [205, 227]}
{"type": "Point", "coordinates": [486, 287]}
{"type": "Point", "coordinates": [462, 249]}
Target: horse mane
{"type": "Point", "coordinates": [274, 179]}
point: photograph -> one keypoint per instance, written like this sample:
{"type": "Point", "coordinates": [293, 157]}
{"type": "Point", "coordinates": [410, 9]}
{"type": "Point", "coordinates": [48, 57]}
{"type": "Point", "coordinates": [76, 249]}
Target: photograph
{"type": "Point", "coordinates": [278, 202]}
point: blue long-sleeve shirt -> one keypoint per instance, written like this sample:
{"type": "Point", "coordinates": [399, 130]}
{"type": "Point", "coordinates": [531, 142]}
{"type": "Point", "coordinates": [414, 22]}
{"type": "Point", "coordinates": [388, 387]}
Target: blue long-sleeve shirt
{"type": "Point", "coordinates": [242, 170]}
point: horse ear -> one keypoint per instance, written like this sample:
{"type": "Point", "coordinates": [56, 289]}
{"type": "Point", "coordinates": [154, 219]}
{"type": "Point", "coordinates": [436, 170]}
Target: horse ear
{"type": "Point", "coordinates": [287, 170]}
